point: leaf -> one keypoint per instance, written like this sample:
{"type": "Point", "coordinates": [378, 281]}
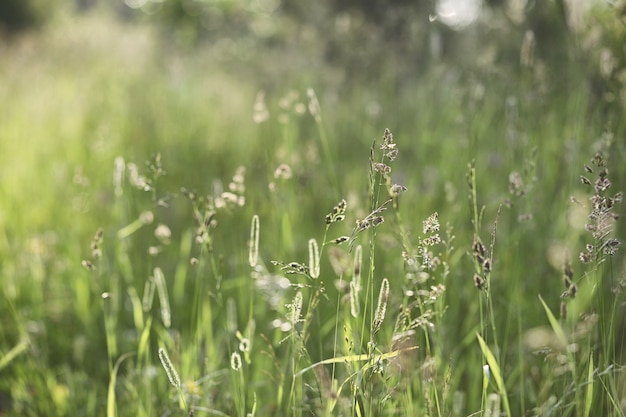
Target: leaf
{"type": "Point", "coordinates": [589, 391]}
{"type": "Point", "coordinates": [554, 323]}
{"type": "Point", "coordinates": [495, 371]}
{"type": "Point", "coordinates": [356, 358]}
{"type": "Point", "coordinates": [111, 405]}
{"type": "Point", "coordinates": [561, 336]}
{"type": "Point", "coordinates": [13, 353]}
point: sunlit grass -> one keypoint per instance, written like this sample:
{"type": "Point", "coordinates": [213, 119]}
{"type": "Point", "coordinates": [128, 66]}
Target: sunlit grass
{"type": "Point", "coordinates": [162, 251]}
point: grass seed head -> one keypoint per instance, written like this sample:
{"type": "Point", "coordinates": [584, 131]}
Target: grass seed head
{"type": "Point", "coordinates": [88, 265]}
{"type": "Point", "coordinates": [338, 214]}
{"type": "Point", "coordinates": [314, 259]}
{"type": "Point", "coordinates": [163, 233]}
{"type": "Point", "coordinates": [602, 216]}
{"type": "Point", "coordinates": [161, 287]}
{"type": "Point", "coordinates": [235, 361]}
{"type": "Point", "coordinates": [397, 189]}
{"type": "Point", "coordinates": [479, 250]}
{"type": "Point", "coordinates": [314, 105]}
{"type": "Point", "coordinates": [516, 184]}
{"type": "Point", "coordinates": [479, 282]}
{"type": "Point", "coordinates": [244, 345]}
{"type": "Point", "coordinates": [381, 307]}
{"type": "Point", "coordinates": [382, 168]}
{"type": "Point", "coordinates": [172, 375]}
{"type": "Point", "coordinates": [387, 140]}
{"type": "Point", "coordinates": [355, 307]}
{"type": "Point", "coordinates": [341, 239]}
{"type": "Point", "coordinates": [283, 172]}
{"type": "Point", "coordinates": [253, 253]}
{"type": "Point", "coordinates": [296, 308]}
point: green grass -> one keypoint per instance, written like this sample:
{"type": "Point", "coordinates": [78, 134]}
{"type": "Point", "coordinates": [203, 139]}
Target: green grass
{"type": "Point", "coordinates": [146, 290]}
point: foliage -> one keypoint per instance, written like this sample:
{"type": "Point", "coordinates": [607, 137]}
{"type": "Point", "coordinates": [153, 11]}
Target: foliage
{"type": "Point", "coordinates": [175, 239]}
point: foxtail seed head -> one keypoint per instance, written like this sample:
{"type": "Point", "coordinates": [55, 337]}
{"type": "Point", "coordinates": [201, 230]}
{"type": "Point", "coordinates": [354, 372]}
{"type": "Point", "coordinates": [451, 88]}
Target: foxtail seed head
{"type": "Point", "coordinates": [381, 309]}
{"type": "Point", "coordinates": [253, 255]}
{"type": "Point", "coordinates": [172, 375]}
{"type": "Point", "coordinates": [314, 259]}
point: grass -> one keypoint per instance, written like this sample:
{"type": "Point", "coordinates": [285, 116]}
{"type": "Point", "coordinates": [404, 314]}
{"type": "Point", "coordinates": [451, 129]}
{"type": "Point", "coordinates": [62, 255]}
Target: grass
{"type": "Point", "coordinates": [163, 253]}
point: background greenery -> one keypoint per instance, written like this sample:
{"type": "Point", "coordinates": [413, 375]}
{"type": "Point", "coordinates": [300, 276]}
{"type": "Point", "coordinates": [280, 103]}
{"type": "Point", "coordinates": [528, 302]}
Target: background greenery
{"type": "Point", "coordinates": [201, 88]}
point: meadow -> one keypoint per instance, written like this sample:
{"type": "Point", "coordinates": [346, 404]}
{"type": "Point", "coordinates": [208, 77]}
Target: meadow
{"type": "Point", "coordinates": [180, 237]}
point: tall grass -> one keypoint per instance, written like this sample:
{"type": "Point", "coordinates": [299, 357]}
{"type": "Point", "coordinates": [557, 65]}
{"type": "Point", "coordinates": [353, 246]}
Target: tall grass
{"type": "Point", "coordinates": [189, 246]}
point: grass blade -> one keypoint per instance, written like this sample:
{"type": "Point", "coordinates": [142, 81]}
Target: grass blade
{"type": "Point", "coordinates": [13, 353]}
{"type": "Point", "coordinates": [561, 336]}
{"type": "Point", "coordinates": [111, 405]}
{"type": "Point", "coordinates": [495, 371]}
{"type": "Point", "coordinates": [589, 391]}
{"type": "Point", "coordinates": [554, 323]}
{"type": "Point", "coordinates": [356, 358]}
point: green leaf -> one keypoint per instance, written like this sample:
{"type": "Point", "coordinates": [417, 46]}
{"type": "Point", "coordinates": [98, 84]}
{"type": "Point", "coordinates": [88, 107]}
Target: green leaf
{"type": "Point", "coordinates": [111, 405]}
{"type": "Point", "coordinates": [495, 371]}
{"type": "Point", "coordinates": [554, 323]}
{"type": "Point", "coordinates": [589, 391]}
{"type": "Point", "coordinates": [561, 336]}
{"type": "Point", "coordinates": [13, 353]}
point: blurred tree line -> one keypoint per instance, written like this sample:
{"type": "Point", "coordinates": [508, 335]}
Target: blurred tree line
{"type": "Point", "coordinates": [357, 40]}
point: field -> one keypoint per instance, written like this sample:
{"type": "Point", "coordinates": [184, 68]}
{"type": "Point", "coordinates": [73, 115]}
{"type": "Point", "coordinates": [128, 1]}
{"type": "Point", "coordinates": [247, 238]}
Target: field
{"type": "Point", "coordinates": [181, 237]}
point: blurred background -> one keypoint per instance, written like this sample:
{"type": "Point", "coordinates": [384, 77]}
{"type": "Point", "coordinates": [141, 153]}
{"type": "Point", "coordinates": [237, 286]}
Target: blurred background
{"type": "Point", "coordinates": [345, 42]}
{"type": "Point", "coordinates": [136, 73]}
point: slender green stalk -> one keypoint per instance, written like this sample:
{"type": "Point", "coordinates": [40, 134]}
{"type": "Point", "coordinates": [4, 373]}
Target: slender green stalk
{"type": "Point", "coordinates": [315, 110]}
